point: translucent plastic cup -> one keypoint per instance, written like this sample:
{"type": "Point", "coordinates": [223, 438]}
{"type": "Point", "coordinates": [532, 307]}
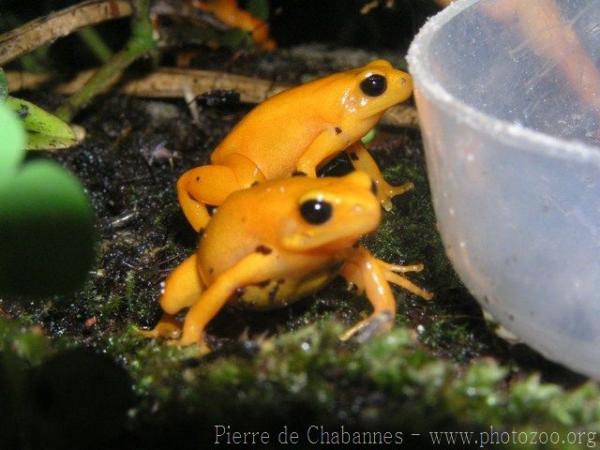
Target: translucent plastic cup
{"type": "Point", "coordinates": [509, 104]}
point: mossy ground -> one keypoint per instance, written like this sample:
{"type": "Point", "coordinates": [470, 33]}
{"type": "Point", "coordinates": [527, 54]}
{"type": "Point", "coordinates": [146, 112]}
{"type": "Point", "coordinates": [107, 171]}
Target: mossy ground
{"type": "Point", "coordinates": [74, 373]}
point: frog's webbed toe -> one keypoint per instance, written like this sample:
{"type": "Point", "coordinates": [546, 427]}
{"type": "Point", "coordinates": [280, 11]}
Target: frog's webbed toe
{"type": "Point", "coordinates": [391, 274]}
{"type": "Point", "coordinates": [199, 345]}
{"type": "Point", "coordinates": [386, 192]}
{"type": "Point", "coordinates": [167, 328]}
{"type": "Point", "coordinates": [374, 325]}
{"type": "Point", "coordinates": [362, 160]}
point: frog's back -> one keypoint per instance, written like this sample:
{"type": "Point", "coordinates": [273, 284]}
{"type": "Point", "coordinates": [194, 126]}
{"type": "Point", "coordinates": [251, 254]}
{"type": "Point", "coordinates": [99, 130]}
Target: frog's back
{"type": "Point", "coordinates": [277, 132]}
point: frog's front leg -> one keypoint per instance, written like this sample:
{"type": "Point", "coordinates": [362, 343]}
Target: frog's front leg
{"type": "Point", "coordinates": [371, 275]}
{"type": "Point", "coordinates": [327, 144]}
{"type": "Point", "coordinates": [362, 160]}
{"type": "Point", "coordinates": [211, 184]}
{"type": "Point", "coordinates": [254, 268]}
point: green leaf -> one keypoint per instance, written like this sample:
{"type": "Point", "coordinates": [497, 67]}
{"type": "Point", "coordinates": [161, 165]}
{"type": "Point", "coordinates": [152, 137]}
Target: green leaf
{"type": "Point", "coordinates": [46, 231]}
{"type": "Point", "coordinates": [368, 138]}
{"type": "Point", "coordinates": [235, 39]}
{"type": "Point", "coordinates": [44, 130]}
{"type": "Point", "coordinates": [12, 142]}
{"type": "Point", "coordinates": [258, 8]}
{"type": "Point", "coordinates": [3, 85]}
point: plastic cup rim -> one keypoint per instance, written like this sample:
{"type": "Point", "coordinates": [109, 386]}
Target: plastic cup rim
{"type": "Point", "coordinates": [513, 134]}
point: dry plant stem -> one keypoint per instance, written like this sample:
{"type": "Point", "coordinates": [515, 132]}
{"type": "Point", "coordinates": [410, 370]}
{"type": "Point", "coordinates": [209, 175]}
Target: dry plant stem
{"type": "Point", "coordinates": [174, 83]}
{"type": "Point", "coordinates": [162, 83]}
{"type": "Point", "coordinates": [140, 42]}
{"type": "Point", "coordinates": [47, 29]}
{"type": "Point", "coordinates": [169, 83]}
{"type": "Point", "coordinates": [20, 81]}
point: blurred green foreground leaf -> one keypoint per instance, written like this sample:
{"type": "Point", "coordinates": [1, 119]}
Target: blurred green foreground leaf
{"type": "Point", "coordinates": [46, 222]}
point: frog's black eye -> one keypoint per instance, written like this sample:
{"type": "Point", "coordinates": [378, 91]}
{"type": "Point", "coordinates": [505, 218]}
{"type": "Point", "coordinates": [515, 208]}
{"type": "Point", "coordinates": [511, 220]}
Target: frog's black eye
{"type": "Point", "coordinates": [374, 85]}
{"type": "Point", "coordinates": [316, 212]}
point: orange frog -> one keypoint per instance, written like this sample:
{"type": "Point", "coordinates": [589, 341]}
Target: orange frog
{"type": "Point", "coordinates": [279, 241]}
{"type": "Point", "coordinates": [228, 12]}
{"type": "Point", "coordinates": [298, 130]}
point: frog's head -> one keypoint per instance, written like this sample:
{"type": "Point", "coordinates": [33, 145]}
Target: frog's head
{"type": "Point", "coordinates": [373, 88]}
{"type": "Point", "coordinates": [332, 214]}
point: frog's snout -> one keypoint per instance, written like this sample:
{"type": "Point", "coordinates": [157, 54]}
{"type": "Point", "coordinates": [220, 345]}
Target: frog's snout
{"type": "Point", "coordinates": [403, 84]}
{"type": "Point", "coordinates": [406, 81]}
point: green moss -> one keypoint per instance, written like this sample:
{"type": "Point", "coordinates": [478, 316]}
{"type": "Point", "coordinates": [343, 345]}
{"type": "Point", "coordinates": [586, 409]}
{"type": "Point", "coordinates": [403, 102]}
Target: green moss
{"type": "Point", "coordinates": [25, 342]}
{"type": "Point", "coordinates": [314, 371]}
{"type": "Point", "coordinates": [310, 370]}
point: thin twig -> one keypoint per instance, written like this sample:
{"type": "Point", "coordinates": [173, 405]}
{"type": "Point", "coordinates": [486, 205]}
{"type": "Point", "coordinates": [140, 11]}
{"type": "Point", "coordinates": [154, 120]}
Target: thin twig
{"type": "Point", "coordinates": [47, 29]}
{"type": "Point", "coordinates": [173, 83]}
{"type": "Point", "coordinates": [140, 43]}
{"type": "Point", "coordinates": [24, 81]}
{"type": "Point", "coordinates": [95, 43]}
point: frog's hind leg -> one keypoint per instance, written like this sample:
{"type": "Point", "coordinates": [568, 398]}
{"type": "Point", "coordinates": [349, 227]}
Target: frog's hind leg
{"type": "Point", "coordinates": [362, 160]}
{"type": "Point", "coordinates": [211, 184]}
{"type": "Point", "coordinates": [201, 186]}
{"type": "Point", "coordinates": [181, 289]}
{"type": "Point", "coordinates": [371, 275]}
{"type": "Point", "coordinates": [251, 269]}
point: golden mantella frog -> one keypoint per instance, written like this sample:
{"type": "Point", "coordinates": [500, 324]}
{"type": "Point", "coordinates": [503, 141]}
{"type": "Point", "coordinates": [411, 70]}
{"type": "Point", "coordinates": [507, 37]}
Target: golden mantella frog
{"type": "Point", "coordinates": [297, 131]}
{"type": "Point", "coordinates": [228, 12]}
{"type": "Point", "coordinates": [272, 244]}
